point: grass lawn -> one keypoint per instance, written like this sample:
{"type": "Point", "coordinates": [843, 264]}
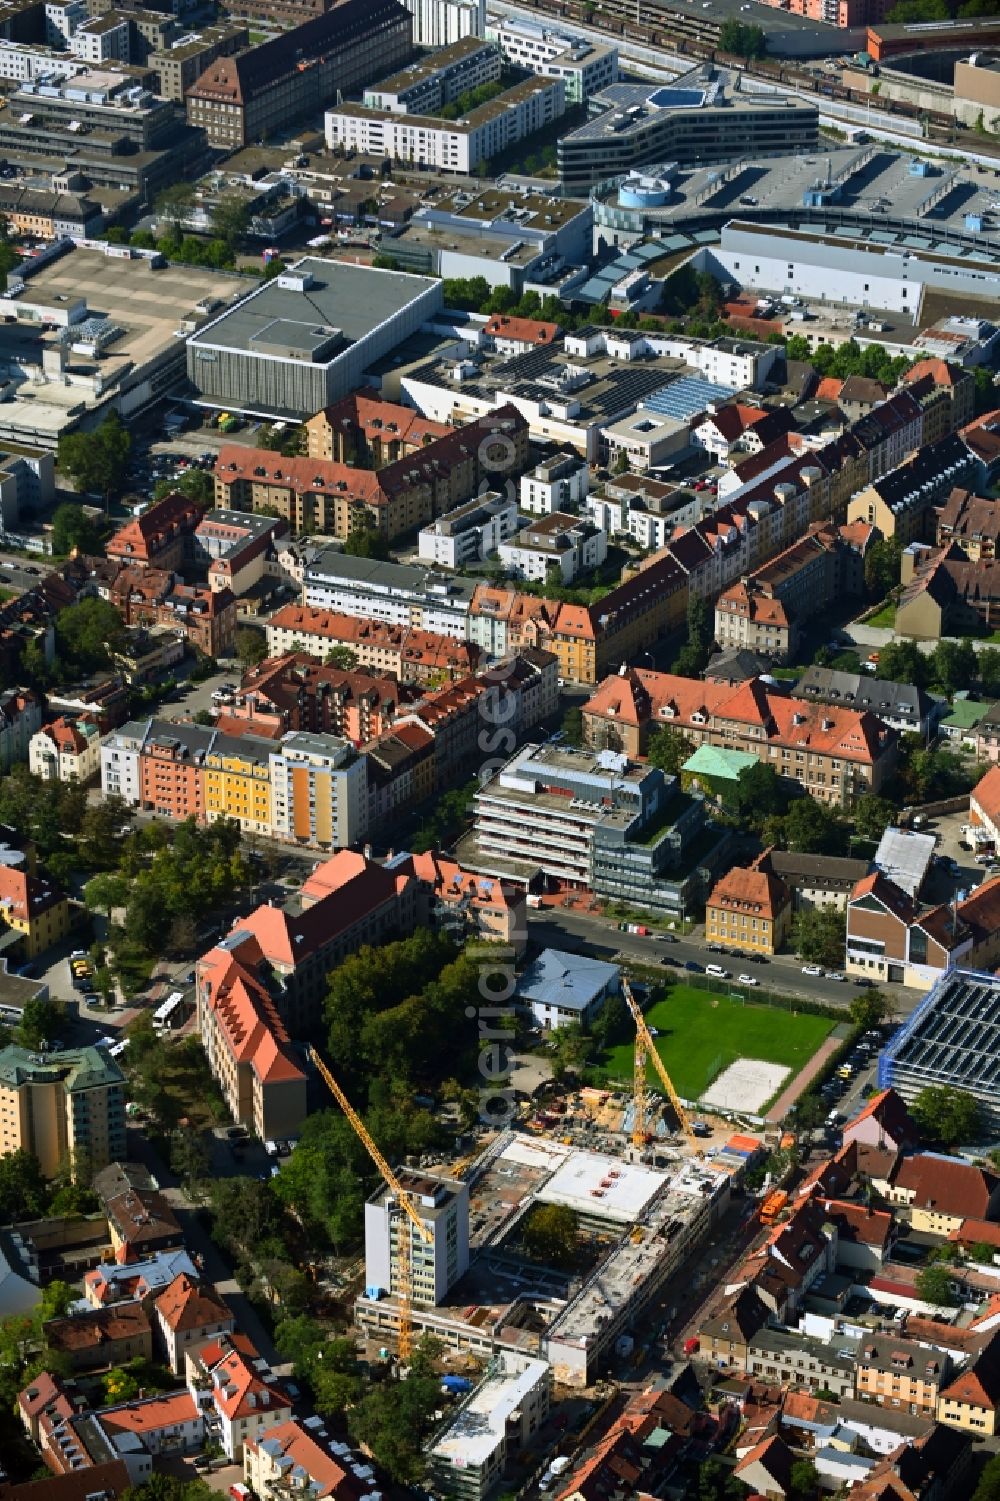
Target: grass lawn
{"type": "Point", "coordinates": [885, 618]}
{"type": "Point", "coordinates": [701, 1034]}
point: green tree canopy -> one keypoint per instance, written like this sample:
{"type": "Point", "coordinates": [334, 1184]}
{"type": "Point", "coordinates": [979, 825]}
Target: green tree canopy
{"type": "Point", "coordinates": [367, 543]}
{"type": "Point", "coordinates": [813, 828]}
{"type": "Point", "coordinates": [97, 461]}
{"type": "Point", "coordinates": [869, 1008]}
{"type": "Point", "coordinates": [72, 527]}
{"type": "Point", "coordinates": [954, 665]}
{"type": "Point", "coordinates": [882, 566]}
{"type": "Point", "coordinates": [669, 749]}
{"type": "Point", "coordinates": [197, 484]}
{"type": "Point", "coordinates": [819, 935]}
{"type": "Point", "coordinates": [342, 657]}
{"type": "Point", "coordinates": [24, 1193]}
{"type": "Point", "coordinates": [742, 40]}
{"type": "Point", "coordinates": [550, 1234]}
{"type": "Point", "coordinates": [87, 633]}
{"type": "Point", "coordinates": [872, 816]}
{"type": "Point", "coordinates": [933, 1285]}
{"type": "Point", "coordinates": [693, 656]}
{"type": "Point", "coordinates": [946, 1115]}
{"type": "Point", "coordinates": [251, 645]}
{"type": "Point", "coordinates": [903, 662]}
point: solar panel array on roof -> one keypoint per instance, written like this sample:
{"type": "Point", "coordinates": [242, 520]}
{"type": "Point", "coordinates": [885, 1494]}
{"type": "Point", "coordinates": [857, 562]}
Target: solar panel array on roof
{"type": "Point", "coordinates": [686, 397]}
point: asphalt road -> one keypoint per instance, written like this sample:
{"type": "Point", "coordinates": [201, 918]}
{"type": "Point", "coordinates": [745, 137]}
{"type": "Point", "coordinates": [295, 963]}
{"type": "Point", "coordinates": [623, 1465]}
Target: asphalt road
{"type": "Point", "coordinates": [580, 932]}
{"type": "Point", "coordinates": [18, 575]}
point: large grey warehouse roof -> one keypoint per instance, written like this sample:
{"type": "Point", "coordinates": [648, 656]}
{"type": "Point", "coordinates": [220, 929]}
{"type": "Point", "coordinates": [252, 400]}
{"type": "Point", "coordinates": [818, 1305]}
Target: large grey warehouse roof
{"type": "Point", "coordinates": [952, 1038]}
{"type": "Point", "coordinates": [299, 313]}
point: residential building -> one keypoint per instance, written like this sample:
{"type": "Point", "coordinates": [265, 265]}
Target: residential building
{"type": "Point", "coordinates": [238, 99]}
{"type": "Point", "coordinates": [450, 146]}
{"type": "Point", "coordinates": [883, 1122]}
{"type": "Point", "coordinates": [236, 780]}
{"type": "Point", "coordinates": [593, 822]}
{"type": "Point", "coordinates": [972, 522]}
{"type": "Point", "coordinates": [502, 621]}
{"type": "Point", "coordinates": [944, 594]}
{"type": "Point", "coordinates": [288, 1457]}
{"type": "Point", "coordinates": [710, 119]}
{"type": "Point", "coordinates": [346, 902]}
{"type": "Point", "coordinates": [951, 381]}
{"type": "Point", "coordinates": [778, 1357]}
{"type": "Point", "coordinates": [159, 536]}
{"type": "Point", "coordinates": [556, 545]}
{"type": "Point", "coordinates": [102, 1337]}
{"type": "Point", "coordinates": [366, 430]}
{"type": "Point", "coordinates": [905, 857]}
{"type": "Point", "coordinates": [317, 495]}
{"type": "Point", "coordinates": [332, 320]}
{"type": "Point", "coordinates": [295, 692]}
{"type": "Point", "coordinates": [438, 23]}
{"type": "Point", "coordinates": [585, 68]}
{"type": "Point", "coordinates": [239, 549]}
{"type": "Point", "coordinates": [436, 1264]}
{"type": "Point", "coordinates": [318, 791]}
{"type": "Point", "coordinates": [66, 750]}
{"type": "Point", "coordinates": [510, 336]}
{"type": "Point", "coordinates": [889, 936]}
{"type": "Point", "coordinates": [940, 1192]}
{"type": "Point", "coordinates": [902, 706]}
{"type": "Point", "coordinates": [140, 1219]}
{"type": "Point", "coordinates": [493, 910]}
{"type": "Point", "coordinates": [423, 87]}
{"type": "Point", "coordinates": [971, 1400]}
{"type": "Point", "coordinates": [168, 1424]}
{"type": "Point", "coordinates": [152, 596]}
{"type": "Point", "coordinates": [556, 484]}
{"type": "Point", "coordinates": [749, 909]}
{"type": "Point", "coordinates": [409, 654]}
{"type": "Point", "coordinates": [157, 765]}
{"type": "Point", "coordinates": [901, 502]}
{"type": "Point", "coordinates": [115, 1282]}
{"type": "Point", "coordinates": [189, 1314]}
{"type": "Point", "coordinates": [50, 215]}
{"type": "Point", "coordinates": [20, 719]}
{"type": "Point", "coordinates": [766, 611]}
{"type": "Point", "coordinates": [245, 1040]}
{"type": "Point", "coordinates": [31, 906]}
{"type": "Point", "coordinates": [835, 754]}
{"type": "Point", "coordinates": [732, 428]}
{"type": "Point", "coordinates": [236, 1397]}
{"type": "Point", "coordinates": [65, 1108]}
{"type": "Point", "coordinates": [897, 1372]}
{"type": "Point", "coordinates": [815, 880]}
{"type": "Point", "coordinates": [391, 593]}
{"type": "Point", "coordinates": [470, 533]}
{"type": "Point", "coordinates": [559, 988]}
{"type": "Point", "coordinates": [984, 805]}
{"type": "Point", "coordinates": [497, 1422]}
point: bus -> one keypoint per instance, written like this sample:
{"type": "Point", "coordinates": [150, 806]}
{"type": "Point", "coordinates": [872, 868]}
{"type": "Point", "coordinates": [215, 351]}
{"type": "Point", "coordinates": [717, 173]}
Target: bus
{"type": "Point", "coordinates": [171, 1014]}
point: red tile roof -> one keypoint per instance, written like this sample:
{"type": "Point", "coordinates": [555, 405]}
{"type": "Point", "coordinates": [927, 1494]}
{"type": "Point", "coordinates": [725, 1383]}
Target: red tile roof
{"type": "Point", "coordinates": [947, 1185]}
{"type": "Point", "coordinates": [522, 330]}
{"type": "Point", "coordinates": [985, 797]}
{"type": "Point", "coordinates": [190, 1305]}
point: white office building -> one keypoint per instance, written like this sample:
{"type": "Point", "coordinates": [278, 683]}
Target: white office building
{"type": "Point", "coordinates": [438, 23]}
{"type": "Point", "coordinates": [557, 484]}
{"type": "Point", "coordinates": [584, 67]}
{"type": "Point", "coordinates": [443, 1206]}
{"type": "Point", "coordinates": [394, 593]}
{"type": "Point", "coordinates": [470, 533]}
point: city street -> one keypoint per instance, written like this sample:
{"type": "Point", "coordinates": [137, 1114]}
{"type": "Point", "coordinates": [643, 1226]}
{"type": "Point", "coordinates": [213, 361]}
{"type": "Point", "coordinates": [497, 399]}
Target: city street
{"type": "Point", "coordinates": [18, 574]}
{"type": "Point", "coordinates": [581, 932]}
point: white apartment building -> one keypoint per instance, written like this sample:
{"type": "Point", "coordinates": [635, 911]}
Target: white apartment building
{"type": "Point", "coordinates": [566, 544]}
{"type": "Point", "coordinates": [65, 751]}
{"type": "Point", "coordinates": [120, 753]}
{"type": "Point", "coordinates": [423, 87]}
{"type": "Point", "coordinates": [584, 67]}
{"type": "Point", "coordinates": [319, 791]}
{"type": "Point", "coordinates": [62, 17]}
{"type": "Point", "coordinates": [443, 1206]}
{"type": "Point", "coordinates": [499, 1419]}
{"type": "Point", "coordinates": [451, 146]}
{"type": "Point", "coordinates": [25, 64]}
{"type": "Point", "coordinates": [102, 39]}
{"type": "Point", "coordinates": [557, 484]}
{"type": "Point", "coordinates": [438, 23]}
{"type": "Point", "coordinates": [470, 533]}
{"type": "Point", "coordinates": [395, 593]}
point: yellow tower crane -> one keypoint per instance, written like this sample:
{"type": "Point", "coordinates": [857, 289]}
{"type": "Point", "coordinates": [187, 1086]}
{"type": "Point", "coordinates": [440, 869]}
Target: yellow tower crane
{"type": "Point", "coordinates": [404, 1238]}
{"type": "Point", "coordinates": [645, 1051]}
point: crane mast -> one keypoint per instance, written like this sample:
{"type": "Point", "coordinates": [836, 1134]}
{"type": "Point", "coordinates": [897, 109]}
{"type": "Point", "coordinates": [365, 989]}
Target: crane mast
{"type": "Point", "coordinates": [645, 1051]}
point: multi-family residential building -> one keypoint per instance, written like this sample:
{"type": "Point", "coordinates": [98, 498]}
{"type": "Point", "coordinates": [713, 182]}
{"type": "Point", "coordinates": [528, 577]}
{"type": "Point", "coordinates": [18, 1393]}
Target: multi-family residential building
{"type": "Point", "coordinates": [891, 935]}
{"type": "Point", "coordinates": [556, 546]}
{"type": "Point", "coordinates": [940, 1192]}
{"type": "Point", "coordinates": [489, 909]}
{"type": "Point", "coordinates": [157, 765]}
{"type": "Point", "coordinates": [780, 1358]}
{"type": "Point", "coordinates": [319, 791]}
{"type": "Point", "coordinates": [972, 522]}
{"type": "Point", "coordinates": [945, 594]}
{"type": "Point", "coordinates": [902, 706]}
{"type": "Point", "coordinates": [584, 67]}
{"type": "Point", "coordinates": [749, 908]}
{"type": "Point", "coordinates": [295, 692]}
{"type": "Point", "coordinates": [102, 1337]}
{"type": "Point", "coordinates": [901, 501]}
{"type": "Point", "coordinates": [30, 905]}
{"type": "Point", "coordinates": [236, 781]}
{"type": "Point", "coordinates": [436, 1264]}
{"type": "Point", "coordinates": [235, 1392]}
{"type": "Point", "coordinates": [815, 880]}
{"type": "Point", "coordinates": [956, 385]}
{"type": "Point", "coordinates": [470, 533]}
{"type": "Point", "coordinates": [766, 611]}
{"type": "Point", "coordinates": [140, 1219]}
{"type": "Point", "coordinates": [159, 536]}
{"type": "Point", "coordinates": [897, 1372]}
{"type": "Point", "coordinates": [451, 146]}
{"type": "Point", "coordinates": [153, 596]}
{"type": "Point", "coordinates": [369, 432]}
{"type": "Point", "coordinates": [499, 1421]}
{"type": "Point", "coordinates": [835, 754]}
{"type": "Point", "coordinates": [66, 750]}
{"type": "Point", "coordinates": [407, 653]}
{"type": "Point", "coordinates": [20, 719]}
{"type": "Point", "coordinates": [423, 87]}
{"type": "Point", "coordinates": [391, 593]}
{"type": "Point", "coordinates": [65, 1109]}
{"type": "Point", "coordinates": [238, 549]}
{"type": "Point", "coordinates": [238, 99]}
{"type": "Point", "coordinates": [558, 483]}
{"type": "Point", "coordinates": [180, 63]}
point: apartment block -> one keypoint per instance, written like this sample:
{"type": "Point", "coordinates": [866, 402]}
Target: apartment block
{"type": "Point", "coordinates": [470, 533]}
{"type": "Point", "coordinates": [319, 791]}
{"type": "Point", "coordinates": [66, 750]}
{"type": "Point", "coordinates": [238, 549]}
{"type": "Point", "coordinates": [188, 1314]}
{"type": "Point", "coordinates": [102, 1337]}
{"type": "Point", "coordinates": [901, 502]}
{"type": "Point", "coordinates": [20, 718]}
{"type": "Point", "coordinates": [557, 484]}
{"type": "Point", "coordinates": [584, 67]}
{"type": "Point", "coordinates": [235, 1393]}
{"type": "Point", "coordinates": [498, 1422]}
{"type": "Point", "coordinates": [155, 596]}
{"type": "Point", "coordinates": [899, 1372]}
{"type": "Point", "coordinates": [179, 64]}
{"type": "Point", "coordinates": [295, 692]}
{"type": "Point", "coordinates": [30, 905]}
{"type": "Point", "coordinates": [391, 593]}
{"type": "Point", "coordinates": [749, 908]}
{"type": "Point", "coordinates": [369, 432]}
{"type": "Point", "coordinates": [436, 1265]}
{"type": "Point", "coordinates": [422, 88]}
{"type": "Point", "coordinates": [65, 1108]}
{"type": "Point", "coordinates": [765, 611]}
{"type": "Point", "coordinates": [411, 655]}
{"type": "Point", "coordinates": [236, 777]}
{"type": "Point", "coordinates": [558, 545]}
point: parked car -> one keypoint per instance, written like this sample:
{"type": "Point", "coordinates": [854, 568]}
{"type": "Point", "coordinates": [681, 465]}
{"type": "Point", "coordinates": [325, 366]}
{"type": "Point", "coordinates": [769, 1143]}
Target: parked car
{"type": "Point", "coordinates": [812, 969]}
{"type": "Point", "coordinates": [747, 980]}
{"type": "Point", "coordinates": [717, 971]}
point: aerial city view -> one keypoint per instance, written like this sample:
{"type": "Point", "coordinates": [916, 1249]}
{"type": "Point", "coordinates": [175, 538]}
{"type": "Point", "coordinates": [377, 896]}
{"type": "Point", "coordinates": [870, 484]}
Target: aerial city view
{"type": "Point", "coordinates": [499, 750]}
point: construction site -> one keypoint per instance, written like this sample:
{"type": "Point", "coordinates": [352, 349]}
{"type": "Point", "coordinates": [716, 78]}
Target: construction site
{"type": "Point", "coordinates": [645, 1188]}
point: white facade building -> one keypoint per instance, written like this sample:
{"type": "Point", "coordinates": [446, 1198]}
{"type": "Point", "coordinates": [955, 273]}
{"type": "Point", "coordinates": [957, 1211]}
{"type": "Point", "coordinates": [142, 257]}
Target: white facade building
{"type": "Point", "coordinates": [438, 23]}
{"type": "Point", "coordinates": [26, 63]}
{"type": "Point", "coordinates": [394, 593]}
{"type": "Point", "coordinates": [501, 1416]}
{"type": "Point", "coordinates": [62, 17]}
{"type": "Point", "coordinates": [102, 39]}
{"type": "Point", "coordinates": [469, 533]}
{"type": "Point", "coordinates": [557, 484]}
{"type": "Point", "coordinates": [423, 87]}
{"type": "Point", "coordinates": [648, 440]}
{"type": "Point", "coordinates": [65, 752]}
{"type": "Point", "coordinates": [564, 543]}
{"type": "Point", "coordinates": [437, 1264]}
{"type": "Point", "coordinates": [336, 802]}
{"type": "Point", "coordinates": [452, 146]}
{"type": "Point", "coordinates": [120, 753]}
{"type": "Point", "coordinates": [585, 68]}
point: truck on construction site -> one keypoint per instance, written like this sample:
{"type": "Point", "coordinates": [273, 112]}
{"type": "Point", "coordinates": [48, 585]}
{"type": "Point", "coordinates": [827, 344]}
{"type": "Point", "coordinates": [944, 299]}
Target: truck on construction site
{"type": "Point", "coordinates": [772, 1206]}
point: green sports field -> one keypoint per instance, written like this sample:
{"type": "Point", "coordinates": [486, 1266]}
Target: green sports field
{"type": "Point", "coordinates": [701, 1034]}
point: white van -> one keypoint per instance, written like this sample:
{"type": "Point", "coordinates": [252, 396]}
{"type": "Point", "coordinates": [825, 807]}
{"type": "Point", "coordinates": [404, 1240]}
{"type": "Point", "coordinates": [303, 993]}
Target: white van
{"type": "Point", "coordinates": [718, 971]}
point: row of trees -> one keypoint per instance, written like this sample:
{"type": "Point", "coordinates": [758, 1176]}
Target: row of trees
{"type": "Point", "coordinates": [848, 359]}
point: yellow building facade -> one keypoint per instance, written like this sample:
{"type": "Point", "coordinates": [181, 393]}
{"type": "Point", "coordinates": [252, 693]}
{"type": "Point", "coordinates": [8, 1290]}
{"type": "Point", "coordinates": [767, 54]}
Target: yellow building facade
{"type": "Point", "coordinates": [237, 783]}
